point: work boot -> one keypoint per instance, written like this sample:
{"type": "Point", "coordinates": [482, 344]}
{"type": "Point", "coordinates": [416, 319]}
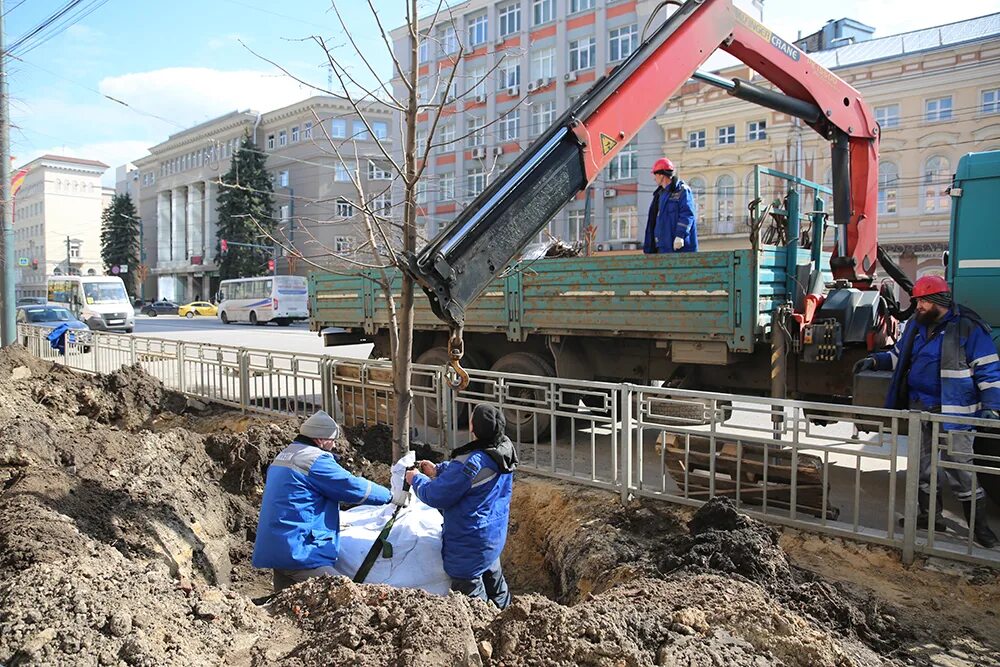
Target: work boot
{"type": "Point", "coordinates": [924, 503]}
{"type": "Point", "coordinates": [981, 531]}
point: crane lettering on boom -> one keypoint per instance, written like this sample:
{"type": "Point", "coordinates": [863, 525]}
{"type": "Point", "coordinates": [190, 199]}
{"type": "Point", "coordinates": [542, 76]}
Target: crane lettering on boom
{"type": "Point", "coordinates": [761, 30]}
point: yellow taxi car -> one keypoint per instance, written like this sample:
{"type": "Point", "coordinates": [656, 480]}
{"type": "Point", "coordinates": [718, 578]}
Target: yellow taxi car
{"type": "Point", "coordinates": [189, 310]}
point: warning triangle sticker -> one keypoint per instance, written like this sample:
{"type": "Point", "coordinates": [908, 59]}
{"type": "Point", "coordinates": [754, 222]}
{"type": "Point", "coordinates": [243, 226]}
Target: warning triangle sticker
{"type": "Point", "coordinates": [607, 143]}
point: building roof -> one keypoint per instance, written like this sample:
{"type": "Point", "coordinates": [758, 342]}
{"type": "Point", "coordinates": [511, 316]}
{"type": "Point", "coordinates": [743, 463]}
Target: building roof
{"type": "Point", "coordinates": [71, 160]}
{"type": "Point", "coordinates": [881, 48]}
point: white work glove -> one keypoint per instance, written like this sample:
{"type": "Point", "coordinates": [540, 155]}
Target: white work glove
{"type": "Point", "coordinates": [398, 478]}
{"type": "Point", "coordinates": [678, 243]}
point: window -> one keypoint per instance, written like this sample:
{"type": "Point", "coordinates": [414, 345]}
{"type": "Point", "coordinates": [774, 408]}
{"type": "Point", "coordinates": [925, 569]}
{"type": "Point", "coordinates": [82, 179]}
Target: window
{"type": "Point", "coordinates": [295, 133]}
{"type": "Point", "coordinates": [74, 249]}
{"type": "Point", "coordinates": [476, 131]}
{"type": "Point", "coordinates": [543, 114]}
{"type": "Point", "coordinates": [376, 173]}
{"type": "Point", "coordinates": [887, 116]}
{"type": "Point", "coordinates": [622, 42]}
{"type": "Point", "coordinates": [475, 78]}
{"type": "Point", "coordinates": [446, 187]}
{"type": "Point", "coordinates": [478, 30]}
{"type": "Point", "coordinates": [341, 173]}
{"type": "Point", "coordinates": [888, 182]}
{"type": "Point", "coordinates": [345, 209]}
{"type": "Point", "coordinates": [621, 223]}
{"type": "Point", "coordinates": [307, 130]}
{"type": "Point", "coordinates": [423, 92]}
{"type": "Point", "coordinates": [696, 139]}
{"type": "Point", "coordinates": [543, 64]}
{"type": "Point", "coordinates": [343, 244]}
{"type": "Point", "coordinates": [582, 53]}
{"type": "Point", "coordinates": [380, 129]}
{"type": "Point", "coordinates": [575, 226]}
{"type": "Point", "coordinates": [283, 178]}
{"type": "Point", "coordinates": [727, 134]}
{"type": "Point", "coordinates": [937, 109]}
{"type": "Point", "coordinates": [270, 142]}
{"type": "Point", "coordinates": [338, 128]}
{"type": "Point", "coordinates": [991, 101]}
{"type": "Point", "coordinates": [542, 11]}
{"type": "Point", "coordinates": [757, 130]}
{"type": "Point", "coordinates": [509, 18]}
{"type": "Point", "coordinates": [509, 126]}
{"type": "Point", "coordinates": [624, 165]}
{"type": "Point", "coordinates": [580, 5]}
{"type": "Point", "coordinates": [360, 131]}
{"type": "Point", "coordinates": [725, 205]}
{"type": "Point", "coordinates": [284, 213]}
{"type": "Point", "coordinates": [510, 76]}
{"type": "Point", "coordinates": [449, 40]}
{"type": "Point", "coordinates": [936, 179]}
{"type": "Point", "coordinates": [446, 136]}
{"type": "Point", "coordinates": [424, 49]}
{"type": "Point", "coordinates": [475, 182]}
{"type": "Point", "coordinates": [697, 185]}
{"type": "Point", "coordinates": [381, 204]}
{"type": "Point", "coordinates": [282, 137]}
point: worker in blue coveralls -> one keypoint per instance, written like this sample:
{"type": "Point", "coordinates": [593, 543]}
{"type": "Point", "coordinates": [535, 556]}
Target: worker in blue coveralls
{"type": "Point", "coordinates": [671, 221]}
{"type": "Point", "coordinates": [944, 362]}
{"type": "Point", "coordinates": [298, 533]}
{"type": "Point", "coordinates": [473, 492]}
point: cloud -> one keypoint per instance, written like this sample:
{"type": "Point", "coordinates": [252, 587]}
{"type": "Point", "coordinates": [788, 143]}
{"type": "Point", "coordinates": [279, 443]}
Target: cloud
{"type": "Point", "coordinates": [232, 39]}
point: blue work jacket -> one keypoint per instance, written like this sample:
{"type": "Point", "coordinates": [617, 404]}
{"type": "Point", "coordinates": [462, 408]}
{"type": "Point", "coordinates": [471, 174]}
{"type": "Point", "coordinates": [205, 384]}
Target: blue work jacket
{"type": "Point", "coordinates": [675, 217]}
{"type": "Point", "coordinates": [299, 525]}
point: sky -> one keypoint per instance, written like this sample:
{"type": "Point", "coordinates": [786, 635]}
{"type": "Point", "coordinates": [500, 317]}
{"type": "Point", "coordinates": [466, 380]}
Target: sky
{"type": "Point", "coordinates": [178, 63]}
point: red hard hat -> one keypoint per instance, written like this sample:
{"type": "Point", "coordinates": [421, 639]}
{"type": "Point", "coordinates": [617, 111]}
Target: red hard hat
{"type": "Point", "coordinates": [930, 285]}
{"type": "Point", "coordinates": [663, 164]}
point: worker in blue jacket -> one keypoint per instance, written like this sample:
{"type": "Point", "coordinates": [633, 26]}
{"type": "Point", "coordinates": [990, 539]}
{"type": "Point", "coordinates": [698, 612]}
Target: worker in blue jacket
{"type": "Point", "coordinates": [298, 533]}
{"type": "Point", "coordinates": [473, 492]}
{"type": "Point", "coordinates": [944, 362]}
{"type": "Point", "coordinates": [671, 221]}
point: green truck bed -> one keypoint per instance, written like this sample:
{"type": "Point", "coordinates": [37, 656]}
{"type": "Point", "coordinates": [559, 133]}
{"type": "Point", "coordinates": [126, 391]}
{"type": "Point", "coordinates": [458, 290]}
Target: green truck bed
{"type": "Point", "coordinates": [706, 296]}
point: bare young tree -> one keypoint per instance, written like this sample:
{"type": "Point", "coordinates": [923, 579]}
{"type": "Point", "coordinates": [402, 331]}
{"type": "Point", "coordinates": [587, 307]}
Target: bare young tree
{"type": "Point", "coordinates": [389, 236]}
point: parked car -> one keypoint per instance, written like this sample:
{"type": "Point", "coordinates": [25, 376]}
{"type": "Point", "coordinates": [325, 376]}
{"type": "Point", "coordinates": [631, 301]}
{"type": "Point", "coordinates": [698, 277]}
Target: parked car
{"type": "Point", "coordinates": [31, 301]}
{"type": "Point", "coordinates": [51, 316]}
{"type": "Point", "coordinates": [155, 308]}
{"type": "Point", "coordinates": [189, 310]}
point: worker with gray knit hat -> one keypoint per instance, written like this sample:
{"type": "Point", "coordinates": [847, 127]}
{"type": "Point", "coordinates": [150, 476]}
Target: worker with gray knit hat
{"type": "Point", "coordinates": [473, 492]}
{"type": "Point", "coordinates": [298, 533]}
{"type": "Point", "coordinates": [945, 362]}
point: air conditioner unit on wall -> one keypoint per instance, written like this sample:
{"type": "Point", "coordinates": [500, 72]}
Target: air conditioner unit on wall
{"type": "Point", "coordinates": [532, 86]}
{"type": "Point", "coordinates": [480, 99]}
{"type": "Point", "coordinates": [500, 41]}
{"type": "Point", "coordinates": [610, 192]}
{"type": "Point", "coordinates": [539, 83]}
{"type": "Point", "coordinates": [512, 91]}
{"type": "Point", "coordinates": [570, 77]}
{"type": "Point", "coordinates": [498, 150]}
{"type": "Point", "coordinates": [478, 152]}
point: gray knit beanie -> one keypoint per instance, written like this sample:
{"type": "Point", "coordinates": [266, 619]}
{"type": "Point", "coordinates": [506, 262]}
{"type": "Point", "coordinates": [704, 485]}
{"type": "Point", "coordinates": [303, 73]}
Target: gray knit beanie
{"type": "Point", "coordinates": [320, 426]}
{"type": "Point", "coordinates": [942, 299]}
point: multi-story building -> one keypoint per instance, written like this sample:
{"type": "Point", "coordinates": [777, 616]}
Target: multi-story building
{"type": "Point", "coordinates": [523, 62]}
{"type": "Point", "coordinates": [176, 188]}
{"type": "Point", "coordinates": [935, 94]}
{"type": "Point", "coordinates": [57, 221]}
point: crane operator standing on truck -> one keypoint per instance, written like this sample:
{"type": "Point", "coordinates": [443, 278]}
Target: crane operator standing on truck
{"type": "Point", "coordinates": [671, 222]}
{"type": "Point", "coordinates": [944, 362]}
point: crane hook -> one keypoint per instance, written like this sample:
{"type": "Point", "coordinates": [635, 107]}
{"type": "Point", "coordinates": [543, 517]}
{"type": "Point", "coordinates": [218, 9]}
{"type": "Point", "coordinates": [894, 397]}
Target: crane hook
{"type": "Point", "coordinates": [456, 348]}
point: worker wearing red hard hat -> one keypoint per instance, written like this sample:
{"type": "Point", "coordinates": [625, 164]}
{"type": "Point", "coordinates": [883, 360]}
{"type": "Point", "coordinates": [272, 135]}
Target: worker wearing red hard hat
{"type": "Point", "coordinates": [945, 362]}
{"type": "Point", "coordinates": [670, 224]}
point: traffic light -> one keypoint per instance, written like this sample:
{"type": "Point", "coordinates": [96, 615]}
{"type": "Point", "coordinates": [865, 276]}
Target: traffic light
{"type": "Point", "coordinates": [270, 265]}
{"type": "Point", "coordinates": [223, 246]}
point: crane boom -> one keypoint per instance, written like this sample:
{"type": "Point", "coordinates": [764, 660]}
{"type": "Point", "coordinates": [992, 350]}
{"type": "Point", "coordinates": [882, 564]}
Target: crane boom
{"type": "Point", "coordinates": [458, 264]}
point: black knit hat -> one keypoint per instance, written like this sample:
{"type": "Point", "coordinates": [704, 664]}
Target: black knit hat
{"type": "Point", "coordinates": [488, 423]}
{"type": "Point", "coordinates": [942, 299]}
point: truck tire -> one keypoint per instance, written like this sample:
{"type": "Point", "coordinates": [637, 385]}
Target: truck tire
{"type": "Point", "coordinates": [990, 483]}
{"type": "Point", "coordinates": [427, 409]}
{"type": "Point", "coordinates": [521, 422]}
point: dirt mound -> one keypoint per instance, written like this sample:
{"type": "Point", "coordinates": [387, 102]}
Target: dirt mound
{"type": "Point", "coordinates": [245, 455]}
{"type": "Point", "coordinates": [725, 541]}
{"type": "Point", "coordinates": [17, 356]}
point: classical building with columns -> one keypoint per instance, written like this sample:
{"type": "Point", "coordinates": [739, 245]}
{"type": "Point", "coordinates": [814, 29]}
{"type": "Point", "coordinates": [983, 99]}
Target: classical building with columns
{"type": "Point", "coordinates": [176, 188]}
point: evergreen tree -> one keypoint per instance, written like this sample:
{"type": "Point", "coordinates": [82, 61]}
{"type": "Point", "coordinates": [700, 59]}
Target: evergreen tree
{"type": "Point", "coordinates": [245, 196]}
{"type": "Point", "coordinates": [120, 238]}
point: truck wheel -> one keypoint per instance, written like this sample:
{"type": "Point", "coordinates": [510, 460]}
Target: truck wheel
{"type": "Point", "coordinates": [427, 408]}
{"type": "Point", "coordinates": [990, 483]}
{"type": "Point", "coordinates": [521, 423]}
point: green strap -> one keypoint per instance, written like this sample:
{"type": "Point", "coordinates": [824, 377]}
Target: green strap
{"type": "Point", "coordinates": [381, 546]}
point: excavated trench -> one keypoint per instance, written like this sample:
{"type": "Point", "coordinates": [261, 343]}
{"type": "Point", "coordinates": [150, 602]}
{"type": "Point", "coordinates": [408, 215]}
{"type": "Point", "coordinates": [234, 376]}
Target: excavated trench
{"type": "Point", "coordinates": [127, 519]}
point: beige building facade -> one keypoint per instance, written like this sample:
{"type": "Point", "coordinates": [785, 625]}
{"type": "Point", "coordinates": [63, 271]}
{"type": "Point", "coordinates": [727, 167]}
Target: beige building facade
{"type": "Point", "coordinates": [57, 221]}
{"type": "Point", "coordinates": [176, 188]}
{"type": "Point", "coordinates": [935, 94]}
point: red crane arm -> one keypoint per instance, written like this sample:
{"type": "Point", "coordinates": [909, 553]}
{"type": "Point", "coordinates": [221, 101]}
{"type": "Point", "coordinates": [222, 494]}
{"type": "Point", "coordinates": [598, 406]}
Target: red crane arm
{"type": "Point", "coordinates": [698, 29]}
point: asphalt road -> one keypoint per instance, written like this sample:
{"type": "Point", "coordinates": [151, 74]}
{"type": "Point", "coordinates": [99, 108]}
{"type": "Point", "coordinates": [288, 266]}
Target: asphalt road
{"type": "Point", "coordinates": [293, 338]}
